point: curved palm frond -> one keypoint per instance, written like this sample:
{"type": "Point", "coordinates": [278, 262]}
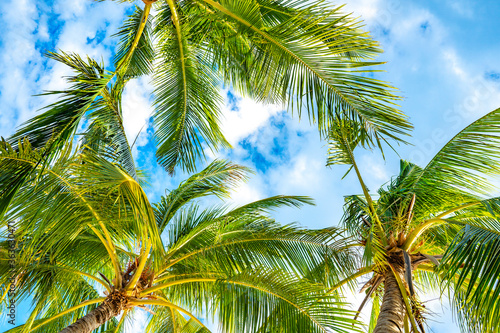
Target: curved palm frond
{"type": "Point", "coordinates": [135, 56]}
{"type": "Point", "coordinates": [471, 267]}
{"type": "Point", "coordinates": [243, 302]}
{"type": "Point", "coordinates": [466, 160]}
{"type": "Point", "coordinates": [106, 132]}
{"type": "Point", "coordinates": [218, 179]}
{"type": "Point", "coordinates": [307, 66]}
{"type": "Point", "coordinates": [59, 122]}
{"type": "Point", "coordinates": [187, 100]}
{"type": "Point", "coordinates": [247, 237]}
{"type": "Point", "coordinates": [190, 229]}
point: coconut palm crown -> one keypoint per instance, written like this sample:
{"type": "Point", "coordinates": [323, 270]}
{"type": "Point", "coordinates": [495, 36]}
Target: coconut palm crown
{"type": "Point", "coordinates": [430, 228]}
{"type": "Point", "coordinates": [91, 251]}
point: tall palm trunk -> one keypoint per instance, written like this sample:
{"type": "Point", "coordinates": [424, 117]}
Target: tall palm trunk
{"type": "Point", "coordinates": [96, 318]}
{"type": "Point", "coordinates": [392, 312]}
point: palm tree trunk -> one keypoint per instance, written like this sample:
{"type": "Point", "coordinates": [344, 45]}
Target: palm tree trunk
{"type": "Point", "coordinates": [392, 312]}
{"type": "Point", "coordinates": [96, 318]}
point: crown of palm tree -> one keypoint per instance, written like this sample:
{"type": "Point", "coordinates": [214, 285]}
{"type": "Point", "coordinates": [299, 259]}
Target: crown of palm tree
{"type": "Point", "coordinates": [436, 226]}
{"type": "Point", "coordinates": [89, 243]}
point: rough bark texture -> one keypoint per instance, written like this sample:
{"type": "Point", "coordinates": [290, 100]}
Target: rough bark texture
{"type": "Point", "coordinates": [392, 311]}
{"type": "Point", "coordinates": [96, 318]}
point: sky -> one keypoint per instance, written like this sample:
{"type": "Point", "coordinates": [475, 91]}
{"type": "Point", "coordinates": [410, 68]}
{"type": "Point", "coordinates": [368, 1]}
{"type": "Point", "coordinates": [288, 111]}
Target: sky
{"type": "Point", "coordinates": [442, 55]}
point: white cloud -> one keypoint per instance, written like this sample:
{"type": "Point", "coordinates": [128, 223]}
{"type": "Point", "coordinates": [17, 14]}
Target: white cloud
{"type": "Point", "coordinates": [16, 83]}
{"type": "Point", "coordinates": [463, 8]}
{"type": "Point", "coordinates": [246, 193]}
{"type": "Point", "coordinates": [453, 61]}
{"type": "Point", "coordinates": [137, 110]}
{"type": "Point", "coordinates": [87, 25]}
{"type": "Point", "coordinates": [367, 9]}
{"type": "Point", "coordinates": [373, 169]}
{"type": "Point", "coordinates": [246, 119]}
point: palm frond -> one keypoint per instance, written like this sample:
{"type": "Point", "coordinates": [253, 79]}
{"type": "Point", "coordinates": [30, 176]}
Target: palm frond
{"type": "Point", "coordinates": [466, 160]}
{"type": "Point", "coordinates": [471, 267]}
{"type": "Point", "coordinates": [225, 242]}
{"type": "Point", "coordinates": [101, 174]}
{"type": "Point", "coordinates": [344, 137]}
{"type": "Point", "coordinates": [192, 229]}
{"type": "Point", "coordinates": [218, 179]}
{"type": "Point", "coordinates": [244, 301]}
{"type": "Point", "coordinates": [187, 100]}
{"type": "Point", "coordinates": [276, 12]}
{"type": "Point", "coordinates": [137, 59]}
{"type": "Point", "coordinates": [300, 58]}
{"type": "Point", "coordinates": [106, 132]}
{"type": "Point", "coordinates": [60, 120]}
{"type": "Point", "coordinates": [14, 170]}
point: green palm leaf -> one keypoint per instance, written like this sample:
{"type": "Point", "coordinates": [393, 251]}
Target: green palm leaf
{"type": "Point", "coordinates": [59, 122]}
{"type": "Point", "coordinates": [187, 101]}
{"type": "Point", "coordinates": [310, 71]}
{"type": "Point", "coordinates": [344, 137]}
{"type": "Point", "coordinates": [106, 132]}
{"type": "Point", "coordinates": [136, 59]}
{"type": "Point", "coordinates": [14, 170]}
{"type": "Point", "coordinates": [471, 267]}
{"type": "Point", "coordinates": [467, 159]}
{"type": "Point", "coordinates": [216, 179]}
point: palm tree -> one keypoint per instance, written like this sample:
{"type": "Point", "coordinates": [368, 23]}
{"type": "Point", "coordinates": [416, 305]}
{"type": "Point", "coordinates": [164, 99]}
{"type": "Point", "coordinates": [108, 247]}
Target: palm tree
{"type": "Point", "coordinates": [306, 54]}
{"type": "Point", "coordinates": [92, 247]}
{"type": "Point", "coordinates": [429, 228]}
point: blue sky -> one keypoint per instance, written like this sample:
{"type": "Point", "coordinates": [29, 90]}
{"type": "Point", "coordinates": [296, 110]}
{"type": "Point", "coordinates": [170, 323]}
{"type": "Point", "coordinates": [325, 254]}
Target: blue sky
{"type": "Point", "coordinates": [442, 55]}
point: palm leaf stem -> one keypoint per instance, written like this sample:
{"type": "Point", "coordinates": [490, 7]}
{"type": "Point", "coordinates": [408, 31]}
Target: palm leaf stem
{"type": "Point", "coordinates": [144, 19]}
{"type": "Point", "coordinates": [140, 268]}
{"type": "Point", "coordinates": [167, 304]}
{"type": "Point", "coordinates": [369, 199]}
{"type": "Point", "coordinates": [426, 268]}
{"type": "Point", "coordinates": [405, 325]}
{"type": "Point", "coordinates": [180, 39]}
{"type": "Point", "coordinates": [467, 205]}
{"type": "Point", "coordinates": [361, 272]}
{"type": "Point", "coordinates": [415, 233]}
{"type": "Point", "coordinates": [75, 271]}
